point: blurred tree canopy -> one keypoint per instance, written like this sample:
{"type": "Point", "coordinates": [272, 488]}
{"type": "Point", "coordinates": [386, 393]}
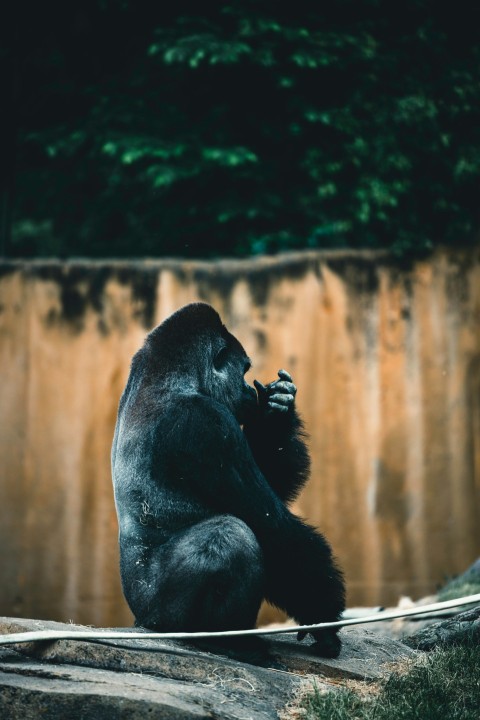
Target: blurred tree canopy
{"type": "Point", "coordinates": [238, 127]}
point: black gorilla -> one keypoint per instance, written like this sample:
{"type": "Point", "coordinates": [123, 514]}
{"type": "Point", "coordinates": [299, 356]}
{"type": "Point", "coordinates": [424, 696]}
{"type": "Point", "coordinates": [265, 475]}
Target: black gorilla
{"type": "Point", "coordinates": [205, 533]}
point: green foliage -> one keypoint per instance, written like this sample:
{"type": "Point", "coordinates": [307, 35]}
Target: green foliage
{"type": "Point", "coordinates": [443, 684]}
{"type": "Point", "coordinates": [244, 127]}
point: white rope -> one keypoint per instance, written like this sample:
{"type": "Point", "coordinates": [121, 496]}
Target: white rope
{"type": "Point", "coordinates": [98, 635]}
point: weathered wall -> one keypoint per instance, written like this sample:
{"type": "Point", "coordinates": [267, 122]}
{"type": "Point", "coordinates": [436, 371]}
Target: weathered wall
{"type": "Point", "coordinates": [387, 362]}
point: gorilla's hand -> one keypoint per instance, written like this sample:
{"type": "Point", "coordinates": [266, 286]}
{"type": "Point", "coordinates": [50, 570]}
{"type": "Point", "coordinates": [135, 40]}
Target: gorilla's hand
{"type": "Point", "coordinates": [278, 396]}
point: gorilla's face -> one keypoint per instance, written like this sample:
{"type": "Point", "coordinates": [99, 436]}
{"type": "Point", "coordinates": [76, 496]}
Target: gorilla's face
{"type": "Point", "coordinates": [230, 363]}
{"type": "Point", "coordinates": [192, 348]}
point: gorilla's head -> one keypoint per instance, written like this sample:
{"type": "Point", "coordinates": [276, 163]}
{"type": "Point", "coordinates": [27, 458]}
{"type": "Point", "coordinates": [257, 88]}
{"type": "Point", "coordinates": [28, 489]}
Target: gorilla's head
{"type": "Point", "coordinates": [193, 350]}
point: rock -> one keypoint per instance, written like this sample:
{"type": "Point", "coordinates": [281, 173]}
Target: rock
{"type": "Point", "coordinates": [30, 690]}
{"type": "Point", "coordinates": [364, 655]}
{"type": "Point", "coordinates": [463, 627]}
{"type": "Point", "coordinates": [468, 583]}
{"type": "Point", "coordinates": [131, 678]}
{"type": "Point", "coordinates": [403, 627]}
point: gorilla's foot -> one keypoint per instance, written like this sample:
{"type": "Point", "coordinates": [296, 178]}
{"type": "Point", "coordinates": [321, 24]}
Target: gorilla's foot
{"type": "Point", "coordinates": [249, 649]}
{"type": "Point", "coordinates": [327, 644]}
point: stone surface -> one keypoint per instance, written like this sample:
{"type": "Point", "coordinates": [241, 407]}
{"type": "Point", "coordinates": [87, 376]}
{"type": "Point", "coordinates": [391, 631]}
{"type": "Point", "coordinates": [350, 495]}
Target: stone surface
{"type": "Point", "coordinates": [364, 655]}
{"type": "Point", "coordinates": [467, 583]}
{"type": "Point", "coordinates": [456, 630]}
{"type": "Point", "coordinates": [134, 678]}
{"type": "Point", "coordinates": [34, 690]}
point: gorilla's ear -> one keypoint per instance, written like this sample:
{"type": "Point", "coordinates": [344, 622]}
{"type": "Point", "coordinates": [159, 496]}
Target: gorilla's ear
{"type": "Point", "coordinates": [221, 358]}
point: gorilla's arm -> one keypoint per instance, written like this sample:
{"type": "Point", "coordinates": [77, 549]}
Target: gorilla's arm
{"type": "Point", "coordinates": [275, 435]}
{"type": "Point", "coordinates": [212, 454]}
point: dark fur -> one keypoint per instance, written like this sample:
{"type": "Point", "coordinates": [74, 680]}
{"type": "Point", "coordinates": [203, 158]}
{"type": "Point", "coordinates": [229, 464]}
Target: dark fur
{"type": "Point", "coordinates": [205, 533]}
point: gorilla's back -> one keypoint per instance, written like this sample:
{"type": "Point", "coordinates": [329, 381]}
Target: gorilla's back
{"type": "Point", "coordinates": [153, 496]}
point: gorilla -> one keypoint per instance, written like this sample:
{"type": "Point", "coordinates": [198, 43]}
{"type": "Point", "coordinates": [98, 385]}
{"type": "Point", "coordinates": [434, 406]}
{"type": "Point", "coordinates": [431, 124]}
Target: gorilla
{"type": "Point", "coordinates": [203, 468]}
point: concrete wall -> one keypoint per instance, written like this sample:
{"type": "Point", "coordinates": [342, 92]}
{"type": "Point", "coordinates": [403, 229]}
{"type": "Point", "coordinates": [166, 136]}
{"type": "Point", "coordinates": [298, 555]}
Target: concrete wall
{"type": "Point", "coordinates": [387, 362]}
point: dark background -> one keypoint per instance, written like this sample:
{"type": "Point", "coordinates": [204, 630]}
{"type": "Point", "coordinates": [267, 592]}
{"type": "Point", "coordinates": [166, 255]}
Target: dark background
{"type": "Point", "coordinates": [236, 128]}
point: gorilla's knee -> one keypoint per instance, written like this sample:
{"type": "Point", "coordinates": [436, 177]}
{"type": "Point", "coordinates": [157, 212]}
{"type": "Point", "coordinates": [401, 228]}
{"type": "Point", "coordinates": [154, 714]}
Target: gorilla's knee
{"type": "Point", "coordinates": [228, 567]}
{"type": "Point", "coordinates": [209, 577]}
{"type": "Point", "coordinates": [232, 544]}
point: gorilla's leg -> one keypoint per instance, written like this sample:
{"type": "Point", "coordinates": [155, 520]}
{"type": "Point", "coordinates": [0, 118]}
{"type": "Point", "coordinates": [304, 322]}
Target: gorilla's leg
{"type": "Point", "coordinates": [208, 577]}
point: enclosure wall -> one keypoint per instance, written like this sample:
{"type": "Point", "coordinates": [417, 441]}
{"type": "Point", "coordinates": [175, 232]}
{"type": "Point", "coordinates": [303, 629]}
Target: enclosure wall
{"type": "Point", "coordinates": [387, 363]}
